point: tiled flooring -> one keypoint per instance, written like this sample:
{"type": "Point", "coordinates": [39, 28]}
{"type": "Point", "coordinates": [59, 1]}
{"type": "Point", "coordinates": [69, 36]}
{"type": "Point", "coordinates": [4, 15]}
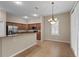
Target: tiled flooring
{"type": "Point", "coordinates": [49, 49]}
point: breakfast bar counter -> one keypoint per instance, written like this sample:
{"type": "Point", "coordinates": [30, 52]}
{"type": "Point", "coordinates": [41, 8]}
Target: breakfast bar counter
{"type": "Point", "coordinates": [12, 45]}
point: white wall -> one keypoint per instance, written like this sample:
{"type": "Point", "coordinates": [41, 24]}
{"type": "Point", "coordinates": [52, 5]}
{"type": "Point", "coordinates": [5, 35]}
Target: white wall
{"type": "Point", "coordinates": [75, 30]}
{"type": "Point", "coordinates": [64, 28]}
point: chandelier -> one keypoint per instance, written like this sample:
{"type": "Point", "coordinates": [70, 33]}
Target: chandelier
{"type": "Point", "coordinates": [53, 20]}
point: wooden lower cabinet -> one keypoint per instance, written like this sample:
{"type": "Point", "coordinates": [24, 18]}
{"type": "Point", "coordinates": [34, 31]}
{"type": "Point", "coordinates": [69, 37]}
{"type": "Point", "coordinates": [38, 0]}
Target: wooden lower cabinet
{"type": "Point", "coordinates": [38, 35]}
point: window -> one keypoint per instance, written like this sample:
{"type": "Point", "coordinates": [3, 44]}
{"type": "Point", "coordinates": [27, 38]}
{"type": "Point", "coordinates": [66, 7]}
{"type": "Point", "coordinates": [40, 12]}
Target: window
{"type": "Point", "coordinates": [55, 28]}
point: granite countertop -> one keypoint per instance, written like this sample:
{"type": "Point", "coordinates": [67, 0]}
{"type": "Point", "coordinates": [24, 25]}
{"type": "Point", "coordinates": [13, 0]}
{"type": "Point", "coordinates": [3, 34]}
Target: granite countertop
{"type": "Point", "coordinates": [21, 33]}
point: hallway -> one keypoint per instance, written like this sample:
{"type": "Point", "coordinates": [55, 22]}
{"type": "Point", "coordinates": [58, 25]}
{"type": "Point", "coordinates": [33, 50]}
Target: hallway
{"type": "Point", "coordinates": [49, 49]}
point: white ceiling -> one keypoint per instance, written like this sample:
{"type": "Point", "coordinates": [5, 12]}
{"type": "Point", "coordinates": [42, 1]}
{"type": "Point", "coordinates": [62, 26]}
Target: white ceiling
{"type": "Point", "coordinates": [45, 7]}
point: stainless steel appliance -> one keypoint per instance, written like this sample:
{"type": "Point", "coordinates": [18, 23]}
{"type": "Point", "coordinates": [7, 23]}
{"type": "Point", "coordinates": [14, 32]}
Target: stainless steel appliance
{"type": "Point", "coordinates": [11, 29]}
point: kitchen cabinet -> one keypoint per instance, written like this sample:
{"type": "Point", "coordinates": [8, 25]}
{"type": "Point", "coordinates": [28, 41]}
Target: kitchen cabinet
{"type": "Point", "coordinates": [2, 15]}
{"type": "Point", "coordinates": [2, 23]}
{"type": "Point", "coordinates": [37, 27]}
{"type": "Point", "coordinates": [22, 26]}
{"type": "Point", "coordinates": [2, 29]}
{"type": "Point", "coordinates": [19, 25]}
{"type": "Point", "coordinates": [38, 35]}
{"type": "Point", "coordinates": [30, 26]}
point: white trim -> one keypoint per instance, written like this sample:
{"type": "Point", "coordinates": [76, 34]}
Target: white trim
{"type": "Point", "coordinates": [72, 9]}
{"type": "Point", "coordinates": [22, 50]}
{"type": "Point", "coordinates": [73, 52]}
{"type": "Point", "coordinates": [59, 41]}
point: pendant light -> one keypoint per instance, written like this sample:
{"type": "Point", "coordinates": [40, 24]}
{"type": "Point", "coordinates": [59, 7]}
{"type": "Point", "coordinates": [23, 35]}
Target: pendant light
{"type": "Point", "coordinates": [53, 19]}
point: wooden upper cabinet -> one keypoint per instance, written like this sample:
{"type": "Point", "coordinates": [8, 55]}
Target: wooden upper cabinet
{"type": "Point", "coordinates": [26, 26]}
{"type": "Point", "coordinates": [31, 26]}
{"type": "Point", "coordinates": [19, 25]}
{"type": "Point", "coordinates": [22, 26]}
{"type": "Point", "coordinates": [36, 25]}
{"type": "Point", "coordinates": [2, 15]}
{"type": "Point", "coordinates": [2, 23]}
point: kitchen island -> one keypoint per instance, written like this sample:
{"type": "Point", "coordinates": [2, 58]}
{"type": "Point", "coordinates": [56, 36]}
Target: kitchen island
{"type": "Point", "coordinates": [13, 45]}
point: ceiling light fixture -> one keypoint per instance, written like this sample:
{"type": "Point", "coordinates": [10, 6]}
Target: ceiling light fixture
{"type": "Point", "coordinates": [53, 20]}
{"type": "Point", "coordinates": [18, 2]}
{"type": "Point", "coordinates": [35, 15]}
{"type": "Point", "coordinates": [25, 17]}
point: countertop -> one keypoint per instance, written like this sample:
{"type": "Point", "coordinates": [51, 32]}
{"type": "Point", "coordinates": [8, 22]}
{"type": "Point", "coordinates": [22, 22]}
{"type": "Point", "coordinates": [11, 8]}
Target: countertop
{"type": "Point", "coordinates": [11, 45]}
{"type": "Point", "coordinates": [22, 33]}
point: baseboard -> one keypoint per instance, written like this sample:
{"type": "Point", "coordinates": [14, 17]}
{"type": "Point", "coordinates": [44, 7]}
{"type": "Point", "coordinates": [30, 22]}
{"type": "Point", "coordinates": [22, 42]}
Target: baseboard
{"type": "Point", "coordinates": [22, 50]}
{"type": "Point", "coordinates": [73, 52]}
{"type": "Point", "coordinates": [58, 41]}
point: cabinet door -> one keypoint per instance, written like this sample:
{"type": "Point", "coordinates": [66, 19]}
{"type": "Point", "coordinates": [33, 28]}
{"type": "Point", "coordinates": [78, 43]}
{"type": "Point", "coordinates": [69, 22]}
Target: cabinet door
{"type": "Point", "coordinates": [3, 15]}
{"type": "Point", "coordinates": [2, 29]}
{"type": "Point", "coordinates": [20, 26]}
{"type": "Point", "coordinates": [30, 26]}
{"type": "Point", "coordinates": [2, 23]}
{"type": "Point", "coordinates": [38, 26]}
{"type": "Point", "coordinates": [38, 35]}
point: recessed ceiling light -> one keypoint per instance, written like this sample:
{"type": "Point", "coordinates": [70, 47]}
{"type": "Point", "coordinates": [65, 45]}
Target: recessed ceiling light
{"type": "Point", "coordinates": [18, 2]}
{"type": "Point", "coordinates": [35, 15]}
{"type": "Point", "coordinates": [25, 17]}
